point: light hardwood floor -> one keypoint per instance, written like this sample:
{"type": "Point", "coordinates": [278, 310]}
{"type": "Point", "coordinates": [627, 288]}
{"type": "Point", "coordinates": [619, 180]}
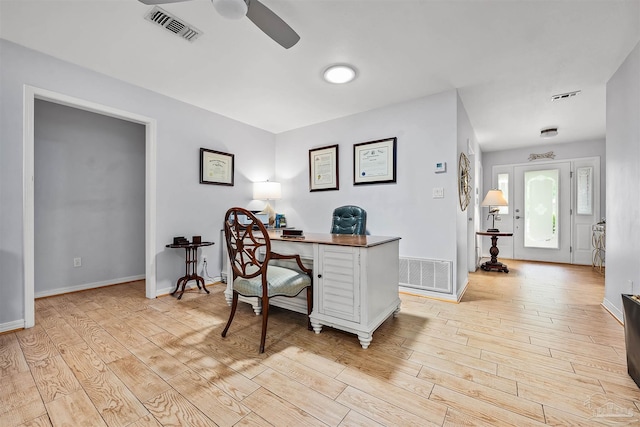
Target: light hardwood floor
{"type": "Point", "coordinates": [531, 347]}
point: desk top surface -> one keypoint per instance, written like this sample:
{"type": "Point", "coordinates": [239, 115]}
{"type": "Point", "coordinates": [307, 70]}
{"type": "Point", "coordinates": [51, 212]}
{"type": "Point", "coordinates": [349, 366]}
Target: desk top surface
{"type": "Point", "coordinates": [334, 239]}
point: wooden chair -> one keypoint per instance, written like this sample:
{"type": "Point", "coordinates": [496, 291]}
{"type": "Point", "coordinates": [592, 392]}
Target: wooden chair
{"type": "Point", "coordinates": [250, 253]}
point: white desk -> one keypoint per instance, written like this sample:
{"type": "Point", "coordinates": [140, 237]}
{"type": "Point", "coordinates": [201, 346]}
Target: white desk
{"type": "Point", "coordinates": [355, 281]}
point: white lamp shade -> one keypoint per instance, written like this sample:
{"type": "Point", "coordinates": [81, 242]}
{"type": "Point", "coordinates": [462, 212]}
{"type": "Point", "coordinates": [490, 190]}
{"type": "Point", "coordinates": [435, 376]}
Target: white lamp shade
{"type": "Point", "coordinates": [267, 190]}
{"type": "Point", "coordinates": [494, 198]}
{"type": "Point", "coordinates": [230, 9]}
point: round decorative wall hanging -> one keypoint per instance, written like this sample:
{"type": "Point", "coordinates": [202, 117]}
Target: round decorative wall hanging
{"type": "Point", "coordinates": [464, 181]}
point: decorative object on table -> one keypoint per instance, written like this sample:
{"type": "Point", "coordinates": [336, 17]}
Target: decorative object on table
{"type": "Point", "coordinates": [323, 168]}
{"type": "Point", "coordinates": [266, 191]}
{"type": "Point", "coordinates": [196, 239]}
{"type": "Point", "coordinates": [292, 234]}
{"type": "Point", "coordinates": [281, 221]}
{"type": "Point", "coordinates": [191, 263]}
{"type": "Point", "coordinates": [464, 181]}
{"type": "Point", "coordinates": [216, 167]}
{"type": "Point", "coordinates": [263, 17]}
{"type": "Point", "coordinates": [631, 305]}
{"type": "Point", "coordinates": [349, 220]}
{"type": "Point", "coordinates": [180, 240]}
{"type": "Point", "coordinates": [249, 249]}
{"type": "Point", "coordinates": [493, 200]}
{"type": "Point", "coordinates": [375, 162]}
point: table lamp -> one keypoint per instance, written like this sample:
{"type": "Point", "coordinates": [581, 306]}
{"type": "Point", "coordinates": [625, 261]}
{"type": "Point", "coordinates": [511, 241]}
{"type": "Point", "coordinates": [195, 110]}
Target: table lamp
{"type": "Point", "coordinates": [267, 190]}
{"type": "Point", "coordinates": [493, 199]}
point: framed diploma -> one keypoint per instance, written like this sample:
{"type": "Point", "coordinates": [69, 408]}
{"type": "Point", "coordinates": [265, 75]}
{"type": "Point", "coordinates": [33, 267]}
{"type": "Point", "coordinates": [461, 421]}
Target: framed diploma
{"type": "Point", "coordinates": [323, 168]}
{"type": "Point", "coordinates": [216, 167]}
{"type": "Point", "coordinates": [374, 162]}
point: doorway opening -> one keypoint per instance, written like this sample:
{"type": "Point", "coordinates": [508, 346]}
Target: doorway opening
{"type": "Point", "coordinates": [30, 95]}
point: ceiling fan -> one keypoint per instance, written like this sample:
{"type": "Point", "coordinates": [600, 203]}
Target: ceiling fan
{"type": "Point", "coordinates": [270, 23]}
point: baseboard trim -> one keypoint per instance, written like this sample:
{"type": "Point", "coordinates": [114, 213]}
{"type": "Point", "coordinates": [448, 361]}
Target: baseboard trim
{"type": "Point", "coordinates": [12, 326]}
{"type": "Point", "coordinates": [613, 310]}
{"type": "Point", "coordinates": [86, 286]}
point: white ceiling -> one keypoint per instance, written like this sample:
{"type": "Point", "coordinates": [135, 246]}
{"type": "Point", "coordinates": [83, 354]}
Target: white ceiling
{"type": "Point", "coordinates": [506, 58]}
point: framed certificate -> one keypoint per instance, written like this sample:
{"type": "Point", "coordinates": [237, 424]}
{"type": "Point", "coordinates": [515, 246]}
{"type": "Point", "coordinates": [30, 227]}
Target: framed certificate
{"type": "Point", "coordinates": [323, 168]}
{"type": "Point", "coordinates": [374, 162]}
{"type": "Point", "coordinates": [216, 167]}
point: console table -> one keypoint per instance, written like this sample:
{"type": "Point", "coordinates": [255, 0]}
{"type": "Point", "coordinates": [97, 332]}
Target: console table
{"type": "Point", "coordinates": [494, 265]}
{"type": "Point", "coordinates": [355, 280]}
{"type": "Point", "coordinates": [191, 266]}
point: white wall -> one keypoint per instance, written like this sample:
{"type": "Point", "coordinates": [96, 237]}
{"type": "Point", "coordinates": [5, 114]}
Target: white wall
{"type": "Point", "coordinates": [89, 199]}
{"type": "Point", "coordinates": [184, 207]}
{"type": "Point", "coordinates": [623, 176]}
{"type": "Point", "coordinates": [426, 129]}
{"type": "Point", "coordinates": [595, 148]}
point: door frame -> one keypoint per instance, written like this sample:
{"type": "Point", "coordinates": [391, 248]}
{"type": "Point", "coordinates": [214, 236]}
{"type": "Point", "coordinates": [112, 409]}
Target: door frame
{"type": "Point", "coordinates": [565, 219]}
{"type": "Point", "coordinates": [32, 93]}
{"type": "Point", "coordinates": [510, 169]}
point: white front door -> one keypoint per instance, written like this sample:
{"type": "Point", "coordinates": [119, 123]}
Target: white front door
{"type": "Point", "coordinates": [542, 212]}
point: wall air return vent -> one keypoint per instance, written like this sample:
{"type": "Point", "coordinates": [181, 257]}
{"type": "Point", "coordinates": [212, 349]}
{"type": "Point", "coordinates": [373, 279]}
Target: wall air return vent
{"type": "Point", "coordinates": [177, 26]}
{"type": "Point", "coordinates": [563, 96]}
{"type": "Point", "coordinates": [425, 274]}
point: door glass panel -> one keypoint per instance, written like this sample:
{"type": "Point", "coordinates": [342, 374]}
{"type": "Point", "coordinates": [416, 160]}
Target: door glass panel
{"type": "Point", "coordinates": [503, 184]}
{"type": "Point", "coordinates": [541, 209]}
{"type": "Point", "coordinates": [585, 191]}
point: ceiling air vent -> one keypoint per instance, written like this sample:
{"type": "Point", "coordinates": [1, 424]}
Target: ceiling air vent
{"type": "Point", "coordinates": [176, 26]}
{"type": "Point", "coordinates": [563, 96]}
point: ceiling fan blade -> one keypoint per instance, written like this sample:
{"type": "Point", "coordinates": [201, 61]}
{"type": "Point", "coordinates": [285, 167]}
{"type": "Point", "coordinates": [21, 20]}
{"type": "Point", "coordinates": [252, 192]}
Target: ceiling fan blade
{"type": "Point", "coordinates": [154, 2]}
{"type": "Point", "coordinates": [271, 24]}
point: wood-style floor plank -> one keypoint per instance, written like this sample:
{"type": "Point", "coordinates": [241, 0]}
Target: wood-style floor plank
{"type": "Point", "coordinates": [75, 409]}
{"type": "Point", "coordinates": [12, 359]}
{"type": "Point", "coordinates": [172, 409]}
{"type": "Point", "coordinates": [519, 349]}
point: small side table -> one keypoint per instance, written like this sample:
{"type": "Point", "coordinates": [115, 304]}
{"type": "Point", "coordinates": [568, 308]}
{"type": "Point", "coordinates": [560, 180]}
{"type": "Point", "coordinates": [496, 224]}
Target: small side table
{"type": "Point", "coordinates": [191, 266]}
{"type": "Point", "coordinates": [494, 265]}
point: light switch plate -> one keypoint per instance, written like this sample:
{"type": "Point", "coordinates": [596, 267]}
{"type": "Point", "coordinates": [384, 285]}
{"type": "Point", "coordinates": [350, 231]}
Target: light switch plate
{"type": "Point", "coordinates": [438, 192]}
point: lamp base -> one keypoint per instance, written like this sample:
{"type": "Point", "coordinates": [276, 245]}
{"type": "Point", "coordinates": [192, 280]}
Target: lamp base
{"type": "Point", "coordinates": [492, 230]}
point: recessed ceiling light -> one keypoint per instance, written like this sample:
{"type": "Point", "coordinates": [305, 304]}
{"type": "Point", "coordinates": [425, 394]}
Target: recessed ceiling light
{"type": "Point", "coordinates": [548, 132]}
{"type": "Point", "coordinates": [339, 73]}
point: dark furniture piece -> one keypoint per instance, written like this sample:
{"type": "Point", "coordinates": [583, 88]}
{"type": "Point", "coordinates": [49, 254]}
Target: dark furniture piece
{"type": "Point", "coordinates": [191, 266]}
{"type": "Point", "coordinates": [631, 307]}
{"type": "Point", "coordinates": [349, 220]}
{"type": "Point", "coordinates": [494, 264]}
{"type": "Point", "coordinates": [250, 254]}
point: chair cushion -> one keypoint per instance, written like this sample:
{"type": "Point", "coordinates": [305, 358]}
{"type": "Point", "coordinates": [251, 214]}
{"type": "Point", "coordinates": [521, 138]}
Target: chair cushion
{"type": "Point", "coordinates": [280, 281]}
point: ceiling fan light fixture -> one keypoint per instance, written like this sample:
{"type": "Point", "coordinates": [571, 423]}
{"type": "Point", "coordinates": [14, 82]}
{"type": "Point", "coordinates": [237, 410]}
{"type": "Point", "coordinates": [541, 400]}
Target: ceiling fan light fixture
{"type": "Point", "coordinates": [548, 132]}
{"type": "Point", "coordinates": [339, 73]}
{"type": "Point", "coordinates": [231, 9]}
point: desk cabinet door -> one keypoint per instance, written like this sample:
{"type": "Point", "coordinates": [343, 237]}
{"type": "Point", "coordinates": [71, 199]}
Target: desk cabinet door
{"type": "Point", "coordinates": [338, 282]}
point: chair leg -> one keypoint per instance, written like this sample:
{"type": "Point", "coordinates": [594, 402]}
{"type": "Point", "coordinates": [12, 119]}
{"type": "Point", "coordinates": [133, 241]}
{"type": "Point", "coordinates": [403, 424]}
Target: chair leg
{"type": "Point", "coordinates": [234, 305]}
{"type": "Point", "coordinates": [309, 306]}
{"type": "Point", "coordinates": [265, 317]}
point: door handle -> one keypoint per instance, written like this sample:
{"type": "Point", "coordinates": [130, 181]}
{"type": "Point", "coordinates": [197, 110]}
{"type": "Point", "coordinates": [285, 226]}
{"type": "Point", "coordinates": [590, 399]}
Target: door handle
{"type": "Point", "coordinates": [517, 216]}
